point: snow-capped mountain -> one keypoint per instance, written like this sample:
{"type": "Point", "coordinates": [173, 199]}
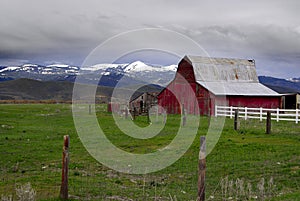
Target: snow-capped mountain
{"type": "Point", "coordinates": [38, 69]}
{"type": "Point", "coordinates": [297, 80]}
{"type": "Point", "coordinates": [127, 74]}
{"type": "Point", "coordinates": [282, 86]}
{"type": "Point", "coordinates": [130, 73]}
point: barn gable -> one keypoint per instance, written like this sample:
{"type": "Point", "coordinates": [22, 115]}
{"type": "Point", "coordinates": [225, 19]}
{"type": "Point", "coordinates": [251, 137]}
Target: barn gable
{"type": "Point", "coordinates": [220, 69]}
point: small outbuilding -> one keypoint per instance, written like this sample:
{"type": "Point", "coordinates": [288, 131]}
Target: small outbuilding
{"type": "Point", "coordinates": [216, 81]}
{"type": "Point", "coordinates": [141, 102]}
{"type": "Point", "coordinates": [290, 101]}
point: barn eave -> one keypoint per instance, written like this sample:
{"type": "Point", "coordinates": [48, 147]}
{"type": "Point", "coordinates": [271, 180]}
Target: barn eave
{"type": "Point", "coordinates": [237, 89]}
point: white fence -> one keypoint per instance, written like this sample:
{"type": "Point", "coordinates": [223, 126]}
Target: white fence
{"type": "Point", "coordinates": [259, 113]}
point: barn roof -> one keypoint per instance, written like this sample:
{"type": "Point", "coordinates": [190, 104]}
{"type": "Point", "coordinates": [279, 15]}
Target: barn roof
{"type": "Point", "coordinates": [238, 88]}
{"type": "Point", "coordinates": [223, 76]}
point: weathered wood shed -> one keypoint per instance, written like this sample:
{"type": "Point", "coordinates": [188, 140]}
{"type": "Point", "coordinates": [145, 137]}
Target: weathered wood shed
{"type": "Point", "coordinates": [143, 101]}
{"type": "Point", "coordinates": [216, 81]}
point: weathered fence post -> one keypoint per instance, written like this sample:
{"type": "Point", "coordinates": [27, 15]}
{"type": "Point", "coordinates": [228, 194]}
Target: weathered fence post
{"type": "Point", "coordinates": [65, 164]}
{"type": "Point", "coordinates": [183, 116]}
{"type": "Point", "coordinates": [90, 109]}
{"type": "Point", "coordinates": [126, 112]}
{"type": "Point", "coordinates": [202, 169]}
{"type": "Point", "coordinates": [156, 120]}
{"type": "Point", "coordinates": [236, 120]}
{"type": "Point", "coordinates": [268, 124]}
{"type": "Point", "coordinates": [148, 115]}
{"type": "Point", "coordinates": [134, 113]}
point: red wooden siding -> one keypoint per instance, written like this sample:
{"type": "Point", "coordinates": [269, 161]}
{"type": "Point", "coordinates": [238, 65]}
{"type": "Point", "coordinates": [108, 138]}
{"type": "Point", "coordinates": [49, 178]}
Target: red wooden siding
{"type": "Point", "coordinates": [252, 101]}
{"type": "Point", "coordinates": [187, 90]}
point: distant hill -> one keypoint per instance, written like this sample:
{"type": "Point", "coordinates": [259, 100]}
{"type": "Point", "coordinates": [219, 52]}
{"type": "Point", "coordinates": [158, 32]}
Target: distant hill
{"type": "Point", "coordinates": [2, 79]}
{"type": "Point", "coordinates": [28, 89]}
{"type": "Point", "coordinates": [34, 90]}
{"type": "Point", "coordinates": [281, 85]}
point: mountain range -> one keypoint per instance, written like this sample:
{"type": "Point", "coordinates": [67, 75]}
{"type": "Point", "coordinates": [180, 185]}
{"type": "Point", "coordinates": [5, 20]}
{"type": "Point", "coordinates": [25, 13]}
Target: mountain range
{"type": "Point", "coordinates": [56, 81]}
{"type": "Point", "coordinates": [111, 74]}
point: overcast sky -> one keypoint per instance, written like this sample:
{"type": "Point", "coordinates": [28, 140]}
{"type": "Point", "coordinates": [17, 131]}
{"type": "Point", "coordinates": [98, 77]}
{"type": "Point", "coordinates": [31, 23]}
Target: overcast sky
{"type": "Point", "coordinates": [66, 31]}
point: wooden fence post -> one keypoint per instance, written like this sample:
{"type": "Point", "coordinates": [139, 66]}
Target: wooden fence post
{"type": "Point", "coordinates": [134, 113]}
{"type": "Point", "coordinates": [202, 169]}
{"type": "Point", "coordinates": [126, 112]}
{"type": "Point", "coordinates": [268, 123]}
{"type": "Point", "coordinates": [148, 115]}
{"type": "Point", "coordinates": [183, 116]}
{"type": "Point", "coordinates": [90, 109]}
{"type": "Point", "coordinates": [65, 163]}
{"type": "Point", "coordinates": [236, 120]}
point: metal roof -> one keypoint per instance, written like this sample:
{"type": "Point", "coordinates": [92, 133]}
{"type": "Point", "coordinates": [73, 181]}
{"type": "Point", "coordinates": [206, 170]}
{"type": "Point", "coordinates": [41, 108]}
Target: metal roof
{"type": "Point", "coordinates": [238, 88]}
{"type": "Point", "coordinates": [223, 76]}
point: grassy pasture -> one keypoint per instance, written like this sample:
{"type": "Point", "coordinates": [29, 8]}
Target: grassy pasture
{"type": "Point", "coordinates": [31, 138]}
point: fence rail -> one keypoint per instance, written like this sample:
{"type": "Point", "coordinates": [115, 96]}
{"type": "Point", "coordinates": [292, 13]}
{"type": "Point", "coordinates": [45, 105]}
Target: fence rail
{"type": "Point", "coordinates": [259, 113]}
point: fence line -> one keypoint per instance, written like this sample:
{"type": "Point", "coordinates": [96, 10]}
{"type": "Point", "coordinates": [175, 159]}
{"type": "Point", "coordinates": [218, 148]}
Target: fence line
{"type": "Point", "coordinates": [258, 113]}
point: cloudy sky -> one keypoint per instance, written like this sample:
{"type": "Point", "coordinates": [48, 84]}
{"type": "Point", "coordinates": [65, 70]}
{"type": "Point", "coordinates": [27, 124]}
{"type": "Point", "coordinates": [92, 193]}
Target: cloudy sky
{"type": "Point", "coordinates": [66, 31]}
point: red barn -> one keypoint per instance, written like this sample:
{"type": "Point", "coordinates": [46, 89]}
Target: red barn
{"type": "Point", "coordinates": [216, 81]}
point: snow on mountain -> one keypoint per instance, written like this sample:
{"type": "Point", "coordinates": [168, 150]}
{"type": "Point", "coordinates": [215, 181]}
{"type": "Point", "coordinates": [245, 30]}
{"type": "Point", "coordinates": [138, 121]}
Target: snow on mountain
{"type": "Point", "coordinates": [171, 68]}
{"type": "Point", "coordinates": [29, 65]}
{"type": "Point", "coordinates": [58, 66]}
{"type": "Point", "coordinates": [101, 67]}
{"type": "Point", "coordinates": [139, 66]}
{"type": "Point", "coordinates": [138, 71]}
{"type": "Point", "coordinates": [10, 68]}
{"type": "Point", "coordinates": [294, 79]}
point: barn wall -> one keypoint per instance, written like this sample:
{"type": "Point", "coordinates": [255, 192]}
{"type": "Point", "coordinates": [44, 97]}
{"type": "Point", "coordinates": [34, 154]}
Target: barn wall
{"type": "Point", "coordinates": [185, 79]}
{"type": "Point", "coordinates": [205, 100]}
{"type": "Point", "coordinates": [255, 102]}
{"type": "Point", "coordinates": [113, 107]}
{"type": "Point", "coordinates": [138, 104]}
{"type": "Point", "coordinates": [144, 101]}
{"type": "Point", "coordinates": [179, 86]}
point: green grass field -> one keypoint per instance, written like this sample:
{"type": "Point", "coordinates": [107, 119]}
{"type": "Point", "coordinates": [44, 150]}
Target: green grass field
{"type": "Point", "coordinates": [31, 139]}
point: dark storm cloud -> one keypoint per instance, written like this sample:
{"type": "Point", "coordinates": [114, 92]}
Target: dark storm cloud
{"type": "Point", "coordinates": [276, 49]}
{"type": "Point", "coordinates": [67, 30]}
